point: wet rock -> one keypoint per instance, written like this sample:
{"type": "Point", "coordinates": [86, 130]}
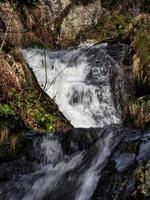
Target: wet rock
{"type": "Point", "coordinates": [123, 178]}
{"type": "Point", "coordinates": [144, 152]}
{"type": "Point", "coordinates": [126, 175]}
{"type": "Point", "coordinates": [122, 161]}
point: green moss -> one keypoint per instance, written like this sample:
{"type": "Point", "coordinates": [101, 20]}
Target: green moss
{"type": "Point", "coordinates": [116, 25]}
{"type": "Point", "coordinates": [6, 110]}
{"type": "Point", "coordinates": [109, 27]}
{"type": "Point", "coordinates": [142, 45]}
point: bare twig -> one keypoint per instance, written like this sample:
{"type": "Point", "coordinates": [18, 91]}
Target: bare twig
{"type": "Point", "coordinates": [56, 78]}
{"type": "Point", "coordinates": [45, 66]}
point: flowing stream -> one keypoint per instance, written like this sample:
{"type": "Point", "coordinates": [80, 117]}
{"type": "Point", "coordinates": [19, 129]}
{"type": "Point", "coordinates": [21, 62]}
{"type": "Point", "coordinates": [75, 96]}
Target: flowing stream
{"type": "Point", "coordinates": [81, 81]}
{"type": "Point", "coordinates": [87, 85]}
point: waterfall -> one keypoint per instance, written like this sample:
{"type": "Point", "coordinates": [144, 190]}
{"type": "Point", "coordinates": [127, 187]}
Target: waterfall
{"type": "Point", "coordinates": [86, 83]}
{"type": "Point", "coordinates": [80, 80]}
{"type": "Point", "coordinates": [61, 176]}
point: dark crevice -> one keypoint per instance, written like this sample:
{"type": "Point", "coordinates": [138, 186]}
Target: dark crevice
{"type": "Point", "coordinates": [82, 2]}
{"type": "Point", "coordinates": [141, 89]}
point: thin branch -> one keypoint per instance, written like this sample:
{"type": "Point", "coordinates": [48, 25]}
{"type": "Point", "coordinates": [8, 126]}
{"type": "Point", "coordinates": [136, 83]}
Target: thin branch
{"type": "Point", "coordinates": [45, 65]}
{"type": "Point", "coordinates": [56, 78]}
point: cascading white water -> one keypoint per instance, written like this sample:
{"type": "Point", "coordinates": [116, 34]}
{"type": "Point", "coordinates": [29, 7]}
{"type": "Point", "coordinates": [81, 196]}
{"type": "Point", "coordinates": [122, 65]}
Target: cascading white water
{"type": "Point", "coordinates": [79, 80]}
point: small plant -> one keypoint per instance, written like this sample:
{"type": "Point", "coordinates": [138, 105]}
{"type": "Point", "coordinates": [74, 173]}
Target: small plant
{"type": "Point", "coordinates": [139, 110]}
{"type": "Point", "coordinates": [6, 110]}
{"type": "Point", "coordinates": [34, 112]}
{"type": "Point", "coordinates": [46, 121]}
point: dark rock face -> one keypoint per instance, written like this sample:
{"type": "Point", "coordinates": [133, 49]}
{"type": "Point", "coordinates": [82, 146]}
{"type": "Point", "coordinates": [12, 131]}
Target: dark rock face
{"type": "Point", "coordinates": [127, 174]}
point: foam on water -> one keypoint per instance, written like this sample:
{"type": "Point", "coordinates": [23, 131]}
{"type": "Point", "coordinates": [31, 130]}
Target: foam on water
{"type": "Point", "coordinates": [84, 83]}
{"type": "Point", "coordinates": [79, 80]}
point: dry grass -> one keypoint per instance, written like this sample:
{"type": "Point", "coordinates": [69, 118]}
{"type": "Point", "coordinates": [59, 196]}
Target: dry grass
{"type": "Point", "coordinates": [5, 139]}
{"type": "Point", "coordinates": [13, 142]}
{"type": "Point", "coordinates": [3, 135]}
{"type": "Point", "coordinates": [140, 114]}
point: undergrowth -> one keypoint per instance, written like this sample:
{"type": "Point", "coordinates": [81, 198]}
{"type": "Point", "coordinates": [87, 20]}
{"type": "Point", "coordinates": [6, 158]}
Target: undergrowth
{"type": "Point", "coordinates": [29, 107]}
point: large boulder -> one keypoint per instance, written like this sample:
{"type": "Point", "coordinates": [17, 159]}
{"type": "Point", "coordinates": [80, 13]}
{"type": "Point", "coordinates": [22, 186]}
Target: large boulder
{"type": "Point", "coordinates": [78, 19]}
{"type": "Point", "coordinates": [48, 23]}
